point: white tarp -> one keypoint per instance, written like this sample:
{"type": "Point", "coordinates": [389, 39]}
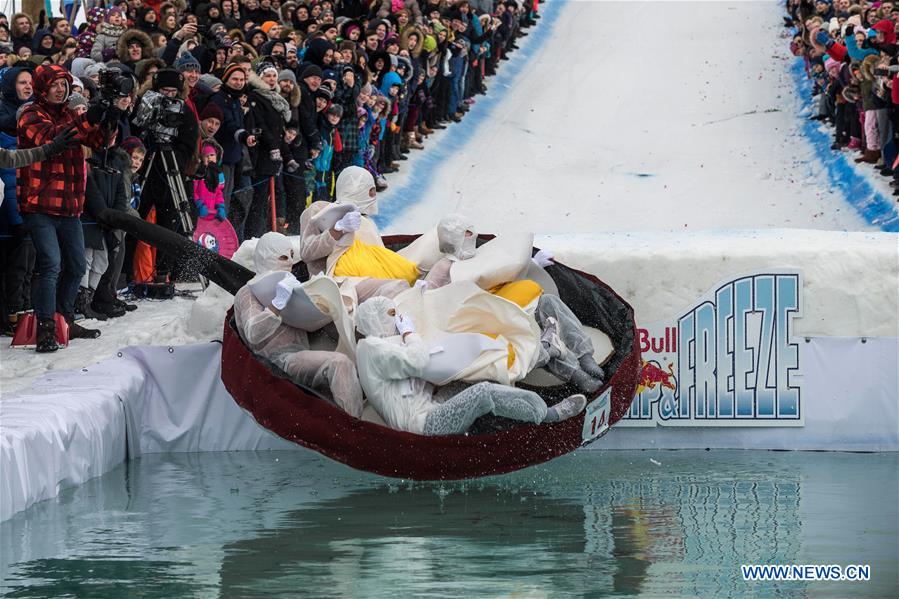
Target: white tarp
{"type": "Point", "coordinates": [184, 407]}
{"type": "Point", "coordinates": [71, 426]}
{"type": "Point", "coordinates": [67, 428]}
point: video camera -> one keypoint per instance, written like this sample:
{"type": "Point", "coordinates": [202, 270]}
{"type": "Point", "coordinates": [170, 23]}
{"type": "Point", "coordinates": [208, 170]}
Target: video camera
{"type": "Point", "coordinates": [159, 115]}
{"type": "Point", "coordinates": [114, 84]}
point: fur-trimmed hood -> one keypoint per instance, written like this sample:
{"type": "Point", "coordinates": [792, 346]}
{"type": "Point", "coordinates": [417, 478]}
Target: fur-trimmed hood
{"type": "Point", "coordinates": [404, 40]}
{"type": "Point", "coordinates": [294, 98]}
{"type": "Point", "coordinates": [141, 37]}
{"type": "Point", "coordinates": [256, 84]}
{"type": "Point", "coordinates": [867, 67]}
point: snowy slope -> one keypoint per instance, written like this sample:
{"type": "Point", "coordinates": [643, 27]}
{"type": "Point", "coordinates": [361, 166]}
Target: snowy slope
{"type": "Point", "coordinates": [633, 116]}
{"type": "Point", "coordinates": [153, 323]}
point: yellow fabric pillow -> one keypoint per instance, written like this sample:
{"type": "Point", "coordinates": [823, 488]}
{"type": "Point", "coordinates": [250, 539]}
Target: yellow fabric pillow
{"type": "Point", "coordinates": [521, 292]}
{"type": "Point", "coordinates": [363, 260]}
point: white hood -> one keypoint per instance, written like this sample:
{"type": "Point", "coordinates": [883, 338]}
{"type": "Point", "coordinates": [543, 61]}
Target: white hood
{"type": "Point", "coordinates": [353, 186]}
{"type": "Point", "coordinates": [376, 317]}
{"type": "Point", "coordinates": [451, 237]}
{"type": "Point", "coordinates": [268, 252]}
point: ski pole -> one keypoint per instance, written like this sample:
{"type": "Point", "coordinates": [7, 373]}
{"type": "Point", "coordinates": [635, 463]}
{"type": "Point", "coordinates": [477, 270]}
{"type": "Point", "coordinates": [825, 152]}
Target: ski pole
{"type": "Point", "coordinates": [271, 190]}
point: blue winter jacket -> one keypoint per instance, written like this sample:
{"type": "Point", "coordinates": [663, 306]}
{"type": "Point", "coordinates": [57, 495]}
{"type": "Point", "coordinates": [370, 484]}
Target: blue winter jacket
{"type": "Point", "coordinates": [232, 123]}
{"type": "Point", "coordinates": [390, 79]}
{"type": "Point", "coordinates": [9, 106]}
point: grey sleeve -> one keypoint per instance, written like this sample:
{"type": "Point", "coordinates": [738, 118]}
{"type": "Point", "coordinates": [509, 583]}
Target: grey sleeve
{"type": "Point", "coordinates": [23, 157]}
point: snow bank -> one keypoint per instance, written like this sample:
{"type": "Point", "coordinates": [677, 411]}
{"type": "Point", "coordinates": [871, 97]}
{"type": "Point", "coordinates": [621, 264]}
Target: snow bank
{"type": "Point", "coordinates": [849, 279]}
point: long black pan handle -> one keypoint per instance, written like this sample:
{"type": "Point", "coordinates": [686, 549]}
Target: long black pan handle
{"type": "Point", "coordinates": [193, 258]}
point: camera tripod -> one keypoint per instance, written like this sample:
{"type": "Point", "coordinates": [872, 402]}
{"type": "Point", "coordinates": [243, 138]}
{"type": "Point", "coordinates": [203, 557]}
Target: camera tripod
{"type": "Point", "coordinates": [175, 184]}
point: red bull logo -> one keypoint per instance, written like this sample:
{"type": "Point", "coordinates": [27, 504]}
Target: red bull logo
{"type": "Point", "coordinates": [652, 375]}
{"type": "Point", "coordinates": [731, 360]}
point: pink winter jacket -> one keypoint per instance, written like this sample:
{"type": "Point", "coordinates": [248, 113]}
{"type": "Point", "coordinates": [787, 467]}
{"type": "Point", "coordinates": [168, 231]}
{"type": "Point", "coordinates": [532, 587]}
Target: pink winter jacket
{"type": "Point", "coordinates": [210, 199]}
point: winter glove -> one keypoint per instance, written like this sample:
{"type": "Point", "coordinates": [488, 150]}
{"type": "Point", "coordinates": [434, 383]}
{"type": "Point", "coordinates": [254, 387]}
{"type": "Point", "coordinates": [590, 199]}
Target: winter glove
{"type": "Point", "coordinates": [421, 284]}
{"type": "Point", "coordinates": [98, 112]}
{"type": "Point", "coordinates": [284, 290]}
{"type": "Point", "coordinates": [404, 324]}
{"type": "Point", "coordinates": [64, 140]}
{"type": "Point", "coordinates": [823, 38]}
{"type": "Point", "coordinates": [292, 166]}
{"type": "Point", "coordinates": [202, 210]}
{"type": "Point", "coordinates": [543, 258]}
{"type": "Point", "coordinates": [220, 212]}
{"type": "Point", "coordinates": [872, 33]}
{"type": "Point", "coordinates": [275, 155]}
{"type": "Point", "coordinates": [350, 222]}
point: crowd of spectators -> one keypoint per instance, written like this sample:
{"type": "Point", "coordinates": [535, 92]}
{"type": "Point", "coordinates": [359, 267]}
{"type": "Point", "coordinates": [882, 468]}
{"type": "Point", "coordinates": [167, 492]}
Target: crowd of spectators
{"type": "Point", "coordinates": [851, 54]}
{"type": "Point", "coordinates": [243, 100]}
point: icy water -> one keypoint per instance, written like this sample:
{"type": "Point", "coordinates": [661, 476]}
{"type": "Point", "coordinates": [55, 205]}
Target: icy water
{"type": "Point", "coordinates": [592, 524]}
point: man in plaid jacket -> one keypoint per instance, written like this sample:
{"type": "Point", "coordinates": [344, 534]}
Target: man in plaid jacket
{"type": "Point", "coordinates": [50, 195]}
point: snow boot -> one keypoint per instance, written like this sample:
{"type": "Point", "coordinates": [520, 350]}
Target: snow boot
{"type": "Point", "coordinates": [854, 144]}
{"type": "Point", "coordinates": [413, 143]}
{"type": "Point", "coordinates": [868, 157]}
{"type": "Point", "coordinates": [76, 331]}
{"type": "Point", "coordinates": [107, 309]}
{"type": "Point", "coordinates": [46, 336]}
{"type": "Point", "coordinates": [9, 327]}
{"type": "Point", "coordinates": [124, 305]}
{"type": "Point", "coordinates": [84, 304]}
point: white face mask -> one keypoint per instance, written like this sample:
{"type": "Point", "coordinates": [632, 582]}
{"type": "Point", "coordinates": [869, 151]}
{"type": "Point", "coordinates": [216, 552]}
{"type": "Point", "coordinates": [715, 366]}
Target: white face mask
{"type": "Point", "coordinates": [273, 252]}
{"type": "Point", "coordinates": [353, 186]}
{"type": "Point", "coordinates": [468, 249]}
{"type": "Point", "coordinates": [376, 317]}
{"type": "Point", "coordinates": [457, 237]}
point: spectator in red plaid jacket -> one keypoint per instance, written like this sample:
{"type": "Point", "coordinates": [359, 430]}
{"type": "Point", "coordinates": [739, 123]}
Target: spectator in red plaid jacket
{"type": "Point", "coordinates": [50, 195]}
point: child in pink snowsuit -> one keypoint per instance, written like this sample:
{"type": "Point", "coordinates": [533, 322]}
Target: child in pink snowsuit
{"type": "Point", "coordinates": [209, 191]}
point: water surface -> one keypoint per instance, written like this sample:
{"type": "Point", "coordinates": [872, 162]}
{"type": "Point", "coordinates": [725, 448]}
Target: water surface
{"type": "Point", "coordinates": [591, 524]}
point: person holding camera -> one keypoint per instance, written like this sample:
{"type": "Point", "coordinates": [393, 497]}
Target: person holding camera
{"type": "Point", "coordinates": [51, 196]}
{"type": "Point", "coordinates": [172, 130]}
{"type": "Point", "coordinates": [266, 118]}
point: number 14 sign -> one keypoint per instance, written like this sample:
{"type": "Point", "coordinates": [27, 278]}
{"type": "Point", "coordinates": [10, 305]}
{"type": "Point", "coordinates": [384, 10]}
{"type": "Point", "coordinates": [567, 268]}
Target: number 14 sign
{"type": "Point", "coordinates": [596, 417]}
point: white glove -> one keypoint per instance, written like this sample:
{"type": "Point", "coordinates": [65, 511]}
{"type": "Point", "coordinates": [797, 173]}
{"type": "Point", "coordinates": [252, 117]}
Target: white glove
{"type": "Point", "coordinates": [350, 222]}
{"type": "Point", "coordinates": [543, 258]}
{"type": "Point", "coordinates": [284, 290]}
{"type": "Point", "coordinates": [404, 324]}
{"type": "Point", "coordinates": [421, 284]}
{"type": "Point", "coordinates": [275, 155]}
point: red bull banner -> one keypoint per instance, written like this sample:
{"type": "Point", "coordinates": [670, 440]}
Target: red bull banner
{"type": "Point", "coordinates": [729, 360]}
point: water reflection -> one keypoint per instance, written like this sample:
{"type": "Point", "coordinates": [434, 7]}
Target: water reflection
{"type": "Point", "coordinates": [593, 524]}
